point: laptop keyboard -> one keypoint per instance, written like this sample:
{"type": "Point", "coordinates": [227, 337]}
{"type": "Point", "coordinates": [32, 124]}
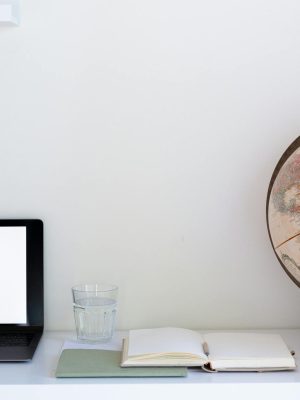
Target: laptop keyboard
{"type": "Point", "coordinates": [15, 339]}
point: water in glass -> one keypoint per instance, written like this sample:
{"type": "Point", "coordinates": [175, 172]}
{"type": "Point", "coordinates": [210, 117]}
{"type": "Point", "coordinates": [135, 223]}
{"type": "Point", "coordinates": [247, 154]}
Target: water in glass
{"type": "Point", "coordinates": [95, 318]}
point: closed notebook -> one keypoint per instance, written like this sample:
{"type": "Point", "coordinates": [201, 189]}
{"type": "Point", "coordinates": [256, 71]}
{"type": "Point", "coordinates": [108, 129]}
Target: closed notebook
{"type": "Point", "coordinates": [77, 363]}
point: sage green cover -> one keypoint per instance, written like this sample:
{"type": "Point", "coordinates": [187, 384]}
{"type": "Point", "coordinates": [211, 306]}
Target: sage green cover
{"type": "Point", "coordinates": [77, 363]}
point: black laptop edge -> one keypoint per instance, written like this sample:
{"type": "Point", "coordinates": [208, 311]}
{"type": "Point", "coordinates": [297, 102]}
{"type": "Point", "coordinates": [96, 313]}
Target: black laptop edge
{"type": "Point", "coordinates": [35, 292]}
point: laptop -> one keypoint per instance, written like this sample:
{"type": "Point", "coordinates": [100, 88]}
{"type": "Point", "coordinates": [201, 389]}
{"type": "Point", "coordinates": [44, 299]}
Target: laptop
{"type": "Point", "coordinates": [21, 294]}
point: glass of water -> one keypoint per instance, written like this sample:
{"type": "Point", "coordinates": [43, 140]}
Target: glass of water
{"type": "Point", "coordinates": [95, 308]}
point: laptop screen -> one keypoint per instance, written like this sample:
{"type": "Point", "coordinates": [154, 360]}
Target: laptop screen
{"type": "Point", "coordinates": [13, 296]}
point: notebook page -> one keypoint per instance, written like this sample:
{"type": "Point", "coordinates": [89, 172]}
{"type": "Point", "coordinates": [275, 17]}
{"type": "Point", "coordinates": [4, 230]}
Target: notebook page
{"type": "Point", "coordinates": [228, 346]}
{"type": "Point", "coordinates": [165, 340]}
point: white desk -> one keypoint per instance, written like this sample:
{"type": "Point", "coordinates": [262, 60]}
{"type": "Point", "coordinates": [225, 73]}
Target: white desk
{"type": "Point", "coordinates": [35, 380]}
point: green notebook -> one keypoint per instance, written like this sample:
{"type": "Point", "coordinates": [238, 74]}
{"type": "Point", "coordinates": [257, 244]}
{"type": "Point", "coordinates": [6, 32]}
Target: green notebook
{"type": "Point", "coordinates": [77, 363]}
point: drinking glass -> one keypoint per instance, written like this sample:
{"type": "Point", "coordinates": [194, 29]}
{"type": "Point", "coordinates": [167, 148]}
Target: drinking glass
{"type": "Point", "coordinates": [95, 308]}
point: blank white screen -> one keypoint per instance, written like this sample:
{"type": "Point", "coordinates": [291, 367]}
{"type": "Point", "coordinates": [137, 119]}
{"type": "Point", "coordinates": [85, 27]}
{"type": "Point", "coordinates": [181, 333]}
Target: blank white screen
{"type": "Point", "coordinates": [13, 274]}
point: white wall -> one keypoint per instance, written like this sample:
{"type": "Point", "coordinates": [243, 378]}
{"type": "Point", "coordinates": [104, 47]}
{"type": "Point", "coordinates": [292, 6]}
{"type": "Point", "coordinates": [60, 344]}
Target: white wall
{"type": "Point", "coordinates": [144, 134]}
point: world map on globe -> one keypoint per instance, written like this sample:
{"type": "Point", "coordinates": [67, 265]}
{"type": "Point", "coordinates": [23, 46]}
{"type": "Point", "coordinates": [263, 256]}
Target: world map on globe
{"type": "Point", "coordinates": [283, 211]}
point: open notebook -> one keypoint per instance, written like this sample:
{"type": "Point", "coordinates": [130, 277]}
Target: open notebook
{"type": "Point", "coordinates": [212, 351]}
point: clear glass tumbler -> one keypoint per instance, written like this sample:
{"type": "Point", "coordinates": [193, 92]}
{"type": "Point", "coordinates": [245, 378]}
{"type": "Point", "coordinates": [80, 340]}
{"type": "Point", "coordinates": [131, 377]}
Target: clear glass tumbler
{"type": "Point", "coordinates": [95, 307]}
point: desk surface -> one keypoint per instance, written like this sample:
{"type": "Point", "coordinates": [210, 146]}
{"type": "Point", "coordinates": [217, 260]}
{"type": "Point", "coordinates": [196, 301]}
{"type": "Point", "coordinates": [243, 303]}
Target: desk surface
{"type": "Point", "coordinates": [39, 373]}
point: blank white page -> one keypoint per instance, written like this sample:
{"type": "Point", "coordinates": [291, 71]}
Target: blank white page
{"type": "Point", "coordinates": [13, 275]}
{"type": "Point", "coordinates": [164, 340]}
{"type": "Point", "coordinates": [245, 345]}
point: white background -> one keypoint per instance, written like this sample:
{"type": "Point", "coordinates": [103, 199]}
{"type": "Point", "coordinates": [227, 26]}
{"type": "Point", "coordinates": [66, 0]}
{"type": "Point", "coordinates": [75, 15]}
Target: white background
{"type": "Point", "coordinates": [13, 275]}
{"type": "Point", "coordinates": [144, 134]}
